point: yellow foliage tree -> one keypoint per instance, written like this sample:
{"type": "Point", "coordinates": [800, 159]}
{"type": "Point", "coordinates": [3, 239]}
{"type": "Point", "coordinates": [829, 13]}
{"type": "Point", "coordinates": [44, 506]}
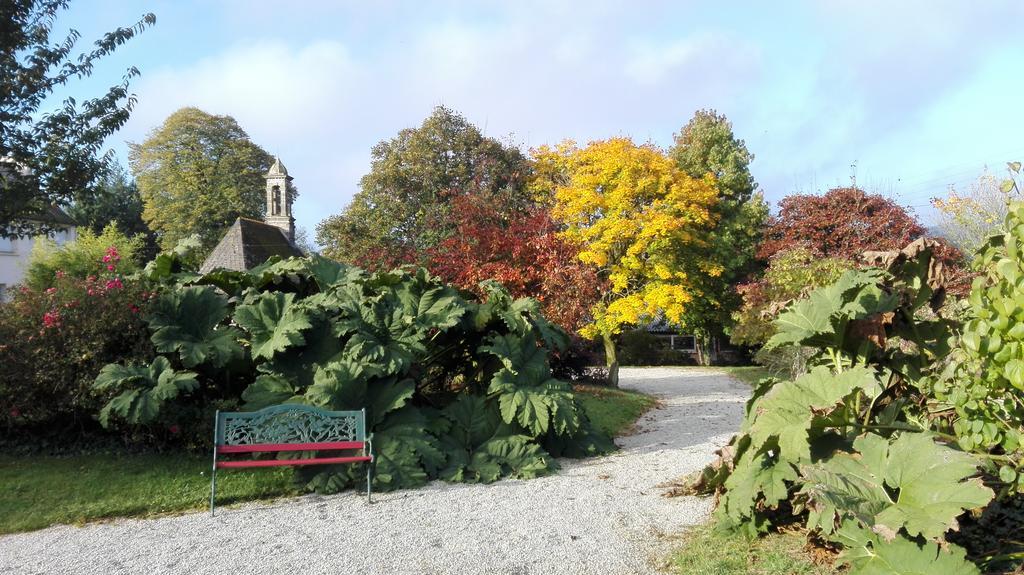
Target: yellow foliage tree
{"type": "Point", "coordinates": [640, 220]}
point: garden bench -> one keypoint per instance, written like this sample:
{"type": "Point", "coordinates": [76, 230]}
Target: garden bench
{"type": "Point", "coordinates": [290, 428]}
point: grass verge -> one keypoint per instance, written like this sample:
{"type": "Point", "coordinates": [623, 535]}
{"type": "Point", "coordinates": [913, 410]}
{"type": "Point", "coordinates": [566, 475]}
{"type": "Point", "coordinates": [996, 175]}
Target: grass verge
{"type": "Point", "coordinates": [707, 552]}
{"type": "Point", "coordinates": [38, 491]}
{"type": "Point", "coordinates": [611, 410]}
{"type": "Point", "coordinates": [748, 374]}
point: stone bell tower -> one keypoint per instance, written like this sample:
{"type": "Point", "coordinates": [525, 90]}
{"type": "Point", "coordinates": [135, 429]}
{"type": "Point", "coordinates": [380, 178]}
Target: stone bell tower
{"type": "Point", "coordinates": [279, 199]}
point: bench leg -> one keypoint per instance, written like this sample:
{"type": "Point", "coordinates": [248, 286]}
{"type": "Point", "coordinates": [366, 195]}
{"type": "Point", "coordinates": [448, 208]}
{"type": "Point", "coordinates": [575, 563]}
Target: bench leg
{"type": "Point", "coordinates": [213, 471]}
{"type": "Point", "coordinates": [369, 481]}
{"type": "Point", "coordinates": [213, 484]}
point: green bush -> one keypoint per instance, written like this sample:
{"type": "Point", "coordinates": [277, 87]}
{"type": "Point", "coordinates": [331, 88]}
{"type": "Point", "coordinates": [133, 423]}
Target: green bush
{"type": "Point", "coordinates": [984, 377]}
{"type": "Point", "coordinates": [861, 449]}
{"type": "Point", "coordinates": [82, 257]}
{"type": "Point", "coordinates": [455, 387]}
{"type": "Point", "coordinates": [790, 274]}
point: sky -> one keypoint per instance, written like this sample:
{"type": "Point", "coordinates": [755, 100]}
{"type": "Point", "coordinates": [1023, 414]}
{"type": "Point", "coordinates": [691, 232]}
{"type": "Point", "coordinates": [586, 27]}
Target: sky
{"type": "Point", "coordinates": [904, 98]}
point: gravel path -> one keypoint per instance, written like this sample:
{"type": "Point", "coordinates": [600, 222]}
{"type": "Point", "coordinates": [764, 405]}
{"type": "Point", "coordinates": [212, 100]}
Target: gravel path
{"type": "Point", "coordinates": [603, 516]}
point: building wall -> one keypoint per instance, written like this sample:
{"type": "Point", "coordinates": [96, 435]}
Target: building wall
{"type": "Point", "coordinates": [14, 256]}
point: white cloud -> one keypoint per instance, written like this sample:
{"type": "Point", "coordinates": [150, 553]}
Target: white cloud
{"type": "Point", "coordinates": [808, 94]}
{"type": "Point", "coordinates": [273, 90]}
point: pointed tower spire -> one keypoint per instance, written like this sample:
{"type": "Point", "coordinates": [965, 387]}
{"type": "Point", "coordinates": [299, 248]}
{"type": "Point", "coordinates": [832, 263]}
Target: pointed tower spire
{"type": "Point", "coordinates": [279, 199]}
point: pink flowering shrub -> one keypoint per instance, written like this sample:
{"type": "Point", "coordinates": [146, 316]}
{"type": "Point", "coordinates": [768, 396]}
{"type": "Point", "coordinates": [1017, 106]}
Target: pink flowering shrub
{"type": "Point", "coordinates": [54, 341]}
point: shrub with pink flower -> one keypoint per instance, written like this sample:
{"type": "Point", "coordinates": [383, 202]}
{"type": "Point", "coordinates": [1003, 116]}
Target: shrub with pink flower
{"type": "Point", "coordinates": [105, 255]}
{"type": "Point", "coordinates": [56, 340]}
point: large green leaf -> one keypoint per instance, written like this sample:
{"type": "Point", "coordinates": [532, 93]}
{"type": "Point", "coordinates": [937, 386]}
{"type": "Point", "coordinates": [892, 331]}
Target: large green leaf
{"type": "Point", "coordinates": [338, 385]}
{"type": "Point", "coordinates": [231, 282]}
{"type": "Point", "coordinates": [384, 337]}
{"type": "Point", "coordinates": [523, 359]}
{"type": "Point", "coordinates": [756, 475]}
{"type": "Point", "coordinates": [472, 420]}
{"type": "Point", "coordinates": [407, 453]}
{"type": "Point", "coordinates": [521, 316]}
{"type": "Point", "coordinates": [479, 449]}
{"type": "Point", "coordinates": [911, 483]}
{"type": "Point", "coordinates": [277, 271]}
{"type": "Point", "coordinates": [820, 319]}
{"type": "Point", "coordinates": [536, 408]}
{"type": "Point", "coordinates": [868, 554]}
{"type": "Point", "coordinates": [517, 455]}
{"type": "Point", "coordinates": [149, 387]}
{"type": "Point", "coordinates": [274, 321]}
{"type": "Point", "coordinates": [267, 390]}
{"type": "Point", "coordinates": [429, 305]}
{"type": "Point", "coordinates": [299, 365]}
{"type": "Point", "coordinates": [386, 395]}
{"type": "Point", "coordinates": [188, 320]}
{"type": "Point", "coordinates": [843, 487]}
{"type": "Point", "coordinates": [326, 272]}
{"type": "Point", "coordinates": [397, 466]}
{"type": "Point", "coordinates": [789, 409]}
{"type": "Point", "coordinates": [807, 321]}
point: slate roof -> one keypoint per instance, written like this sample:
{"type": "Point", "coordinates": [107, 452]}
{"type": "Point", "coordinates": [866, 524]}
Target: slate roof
{"type": "Point", "coordinates": [247, 244]}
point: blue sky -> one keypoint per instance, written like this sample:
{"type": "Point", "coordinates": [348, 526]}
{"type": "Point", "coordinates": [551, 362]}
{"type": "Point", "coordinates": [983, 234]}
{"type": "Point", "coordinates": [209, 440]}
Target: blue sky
{"type": "Point", "coordinates": [910, 97]}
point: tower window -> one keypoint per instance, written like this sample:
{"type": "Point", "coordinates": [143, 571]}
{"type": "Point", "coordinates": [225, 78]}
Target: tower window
{"type": "Point", "coordinates": [275, 209]}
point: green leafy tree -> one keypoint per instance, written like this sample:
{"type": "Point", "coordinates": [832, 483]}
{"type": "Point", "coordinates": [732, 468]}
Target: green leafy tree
{"type": "Point", "coordinates": [707, 145]}
{"type": "Point", "coordinates": [402, 205]}
{"type": "Point", "coordinates": [116, 200]}
{"type": "Point", "coordinates": [53, 157]}
{"type": "Point", "coordinates": [197, 173]}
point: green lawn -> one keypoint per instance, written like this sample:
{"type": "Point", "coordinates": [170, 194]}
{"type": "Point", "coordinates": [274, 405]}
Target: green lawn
{"type": "Point", "coordinates": [707, 552]}
{"type": "Point", "coordinates": [38, 491]}
{"type": "Point", "coordinates": [612, 410]}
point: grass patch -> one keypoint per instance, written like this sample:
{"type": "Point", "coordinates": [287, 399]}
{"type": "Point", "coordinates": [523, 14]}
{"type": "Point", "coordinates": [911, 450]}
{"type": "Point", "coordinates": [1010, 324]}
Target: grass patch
{"type": "Point", "coordinates": [707, 552]}
{"type": "Point", "coordinates": [611, 410]}
{"type": "Point", "coordinates": [38, 491]}
{"type": "Point", "coordinates": [748, 374]}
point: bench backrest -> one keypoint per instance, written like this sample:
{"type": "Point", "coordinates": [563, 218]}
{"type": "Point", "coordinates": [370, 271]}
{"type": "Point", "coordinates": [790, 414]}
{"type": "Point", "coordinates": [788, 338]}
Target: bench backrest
{"type": "Point", "coordinates": [289, 423]}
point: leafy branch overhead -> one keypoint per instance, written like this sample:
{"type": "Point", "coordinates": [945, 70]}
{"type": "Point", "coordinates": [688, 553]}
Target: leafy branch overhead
{"type": "Point", "coordinates": [53, 149]}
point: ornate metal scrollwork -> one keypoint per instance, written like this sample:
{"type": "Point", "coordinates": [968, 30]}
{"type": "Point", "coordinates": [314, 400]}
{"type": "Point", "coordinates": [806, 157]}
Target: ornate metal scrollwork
{"type": "Point", "coordinates": [288, 426]}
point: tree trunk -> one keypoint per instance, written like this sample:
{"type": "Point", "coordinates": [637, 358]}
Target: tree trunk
{"type": "Point", "coordinates": [705, 348]}
{"type": "Point", "coordinates": [611, 360]}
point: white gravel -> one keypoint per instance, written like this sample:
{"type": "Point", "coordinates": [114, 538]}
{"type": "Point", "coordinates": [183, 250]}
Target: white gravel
{"type": "Point", "coordinates": [603, 516]}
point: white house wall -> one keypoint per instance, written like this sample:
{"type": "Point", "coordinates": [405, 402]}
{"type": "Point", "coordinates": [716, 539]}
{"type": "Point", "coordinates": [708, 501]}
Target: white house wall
{"type": "Point", "coordinates": [14, 258]}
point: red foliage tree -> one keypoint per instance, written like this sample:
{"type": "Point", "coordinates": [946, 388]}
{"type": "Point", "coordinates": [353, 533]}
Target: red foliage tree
{"type": "Point", "coordinates": [522, 251]}
{"type": "Point", "coordinates": [845, 222]}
